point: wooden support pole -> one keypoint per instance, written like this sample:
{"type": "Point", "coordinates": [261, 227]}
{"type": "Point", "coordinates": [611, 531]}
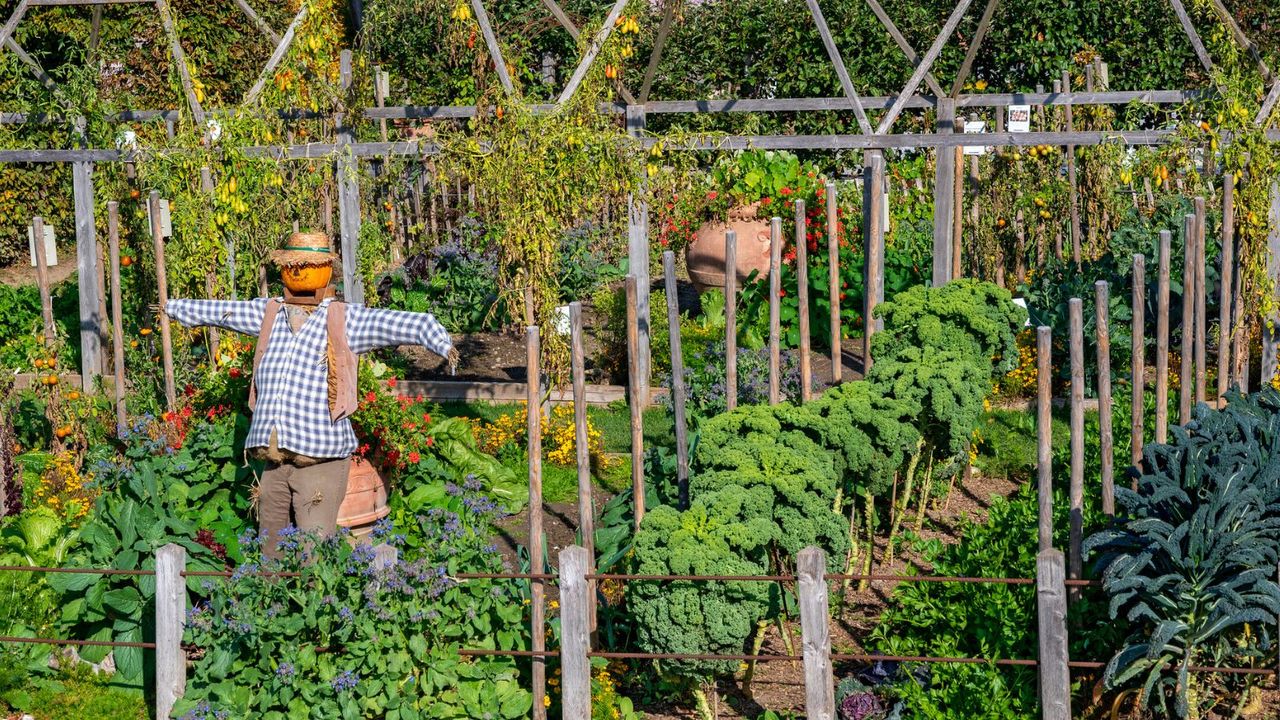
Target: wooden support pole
{"type": "Point", "coordinates": [1162, 339]}
{"type": "Point", "coordinates": [1240, 329]}
{"type": "Point", "coordinates": [833, 282]}
{"type": "Point", "coordinates": [1102, 301]}
{"type": "Point", "coordinates": [905, 46]}
{"type": "Point", "coordinates": [1202, 291]}
{"type": "Point", "coordinates": [87, 273]}
{"type": "Point", "coordinates": [1076, 491]}
{"type": "Point", "coordinates": [100, 263]}
{"type": "Point", "coordinates": [1074, 192]}
{"type": "Point", "coordinates": [580, 72]}
{"type": "Point", "coordinates": [819, 680]}
{"type": "Point", "coordinates": [162, 291]}
{"type": "Point", "coordinates": [1044, 433]}
{"type": "Point", "coordinates": [944, 181]}
{"type": "Point", "coordinates": [730, 319]}
{"type": "Point", "coordinates": [577, 600]}
{"type": "Point", "coordinates": [1051, 604]}
{"type": "Point", "coordinates": [582, 447]}
{"type": "Point", "coordinates": [117, 321]}
{"type": "Point", "coordinates": [277, 55]}
{"type": "Point", "coordinates": [957, 215]}
{"type": "Point", "coordinates": [1138, 351]}
{"type": "Point", "coordinates": [874, 224]}
{"type": "Point", "coordinates": [537, 610]}
{"type": "Point", "coordinates": [491, 42]}
{"type": "Point", "coordinates": [802, 300]}
{"type": "Point", "coordinates": [634, 402]}
{"type": "Point", "coordinates": [261, 24]}
{"type": "Point", "coordinates": [381, 87]}
{"type": "Point", "coordinates": [926, 62]}
{"type": "Point", "coordinates": [677, 378]}
{"type": "Point", "coordinates": [775, 311]}
{"type": "Point", "coordinates": [42, 280]}
{"type": "Point", "coordinates": [638, 257]}
{"type": "Point", "coordinates": [171, 615]}
{"type": "Point", "coordinates": [838, 64]}
{"type": "Point", "coordinates": [1186, 379]}
{"type": "Point", "coordinates": [1271, 330]}
{"type": "Point", "coordinates": [347, 171]}
{"type": "Point", "coordinates": [1226, 281]}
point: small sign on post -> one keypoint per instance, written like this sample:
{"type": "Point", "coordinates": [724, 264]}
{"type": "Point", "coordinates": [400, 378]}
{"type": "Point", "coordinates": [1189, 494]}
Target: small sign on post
{"type": "Point", "coordinates": [1019, 120]}
{"type": "Point", "coordinates": [974, 127]}
{"type": "Point", "coordinates": [50, 246]}
{"type": "Point", "coordinates": [166, 220]}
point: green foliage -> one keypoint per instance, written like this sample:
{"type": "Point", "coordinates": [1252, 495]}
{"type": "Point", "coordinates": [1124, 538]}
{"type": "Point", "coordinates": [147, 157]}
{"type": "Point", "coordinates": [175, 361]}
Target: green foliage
{"type": "Point", "coordinates": [947, 386]}
{"type": "Point", "coordinates": [1191, 564]}
{"type": "Point", "coordinates": [971, 318]}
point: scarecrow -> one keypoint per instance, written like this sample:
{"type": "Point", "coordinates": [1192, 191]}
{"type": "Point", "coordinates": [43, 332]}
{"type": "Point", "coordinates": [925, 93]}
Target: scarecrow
{"type": "Point", "coordinates": [304, 381]}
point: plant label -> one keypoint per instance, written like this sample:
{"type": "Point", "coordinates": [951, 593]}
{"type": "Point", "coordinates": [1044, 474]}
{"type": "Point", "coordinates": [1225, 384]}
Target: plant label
{"type": "Point", "coordinates": [1019, 119]}
{"type": "Point", "coordinates": [975, 126]}
{"type": "Point", "coordinates": [50, 245]}
{"type": "Point", "coordinates": [166, 220]}
{"type": "Point", "coordinates": [1022, 303]}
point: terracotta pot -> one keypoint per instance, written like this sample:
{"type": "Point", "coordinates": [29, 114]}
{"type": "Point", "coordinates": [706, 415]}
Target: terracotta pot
{"type": "Point", "coordinates": [366, 499]}
{"type": "Point", "coordinates": [705, 255]}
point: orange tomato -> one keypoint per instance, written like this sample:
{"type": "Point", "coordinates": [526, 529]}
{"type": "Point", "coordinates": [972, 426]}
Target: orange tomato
{"type": "Point", "coordinates": [63, 431]}
{"type": "Point", "coordinates": [73, 395]}
{"type": "Point", "coordinates": [125, 261]}
{"type": "Point", "coordinates": [144, 332]}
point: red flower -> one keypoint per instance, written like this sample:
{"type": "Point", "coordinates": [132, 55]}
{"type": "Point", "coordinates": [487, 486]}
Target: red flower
{"type": "Point", "coordinates": [713, 195]}
{"type": "Point", "coordinates": [409, 426]}
{"type": "Point", "coordinates": [431, 441]}
{"type": "Point", "coordinates": [414, 457]}
{"type": "Point", "coordinates": [786, 191]}
{"type": "Point", "coordinates": [782, 293]}
{"type": "Point", "coordinates": [234, 373]}
{"type": "Point", "coordinates": [766, 201]}
{"type": "Point", "coordinates": [426, 417]}
{"type": "Point", "coordinates": [370, 396]}
{"type": "Point", "coordinates": [391, 382]}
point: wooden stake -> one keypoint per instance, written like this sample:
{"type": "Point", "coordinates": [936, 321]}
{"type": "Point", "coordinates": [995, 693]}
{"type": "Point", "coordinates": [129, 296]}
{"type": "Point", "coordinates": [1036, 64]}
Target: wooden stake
{"type": "Point", "coordinates": [1075, 563]}
{"type": "Point", "coordinates": [1102, 297]}
{"type": "Point", "coordinates": [677, 378]}
{"type": "Point", "coordinates": [1162, 339]}
{"type": "Point", "coordinates": [171, 614]}
{"type": "Point", "coordinates": [635, 403]}
{"type": "Point", "coordinates": [1071, 175]}
{"type": "Point", "coordinates": [775, 316]}
{"type": "Point", "coordinates": [1226, 281]}
{"type": "Point", "coordinates": [533, 368]}
{"type": "Point", "coordinates": [873, 262]}
{"type": "Point", "coordinates": [117, 321]}
{"type": "Point", "coordinates": [833, 282]}
{"type": "Point", "coordinates": [577, 602]}
{"type": "Point", "coordinates": [815, 620]}
{"type": "Point", "coordinates": [42, 280]}
{"type": "Point", "coordinates": [1051, 603]}
{"type": "Point", "coordinates": [1044, 433]}
{"type": "Point", "coordinates": [730, 319]}
{"type": "Point", "coordinates": [586, 507]}
{"type": "Point", "coordinates": [944, 196]}
{"type": "Point", "coordinates": [1201, 293]}
{"type": "Point", "coordinates": [1185, 379]}
{"type": "Point", "coordinates": [1139, 352]}
{"type": "Point", "coordinates": [802, 299]}
{"type": "Point", "coordinates": [162, 290]}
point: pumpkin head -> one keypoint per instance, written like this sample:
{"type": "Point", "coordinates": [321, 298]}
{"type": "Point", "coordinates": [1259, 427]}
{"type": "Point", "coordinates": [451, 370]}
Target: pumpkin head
{"type": "Point", "coordinates": [306, 278]}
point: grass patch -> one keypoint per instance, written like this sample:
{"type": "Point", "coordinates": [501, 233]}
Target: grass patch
{"type": "Point", "coordinates": [613, 420]}
{"type": "Point", "coordinates": [78, 693]}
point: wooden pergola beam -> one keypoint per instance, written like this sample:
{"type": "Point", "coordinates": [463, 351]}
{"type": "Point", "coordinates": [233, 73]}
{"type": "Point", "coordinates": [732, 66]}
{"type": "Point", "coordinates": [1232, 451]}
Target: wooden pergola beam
{"type": "Point", "coordinates": [1196, 44]}
{"type": "Point", "coordinates": [180, 59]}
{"type": "Point", "coordinates": [669, 8]}
{"type": "Point", "coordinates": [929, 57]}
{"type": "Point", "coordinates": [249, 12]}
{"type": "Point", "coordinates": [282, 48]}
{"type": "Point", "coordinates": [12, 23]}
{"type": "Point", "coordinates": [491, 41]}
{"type": "Point", "coordinates": [580, 72]}
{"type": "Point", "coordinates": [1241, 39]}
{"type": "Point", "coordinates": [842, 71]}
{"type": "Point", "coordinates": [905, 46]}
{"type": "Point", "coordinates": [1268, 104]}
{"type": "Point", "coordinates": [984, 25]}
{"type": "Point", "coordinates": [562, 17]}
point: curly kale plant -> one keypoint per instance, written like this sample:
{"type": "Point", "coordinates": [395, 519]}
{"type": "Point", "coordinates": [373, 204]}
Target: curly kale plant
{"type": "Point", "coordinates": [973, 318]}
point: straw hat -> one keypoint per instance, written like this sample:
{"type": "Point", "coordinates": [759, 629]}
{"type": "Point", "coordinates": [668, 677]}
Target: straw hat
{"type": "Point", "coordinates": [305, 249]}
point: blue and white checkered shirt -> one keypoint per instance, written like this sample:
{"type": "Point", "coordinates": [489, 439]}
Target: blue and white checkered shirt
{"type": "Point", "coordinates": [293, 375]}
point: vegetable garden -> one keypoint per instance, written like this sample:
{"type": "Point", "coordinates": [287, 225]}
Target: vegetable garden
{"type": "Point", "coordinates": [815, 359]}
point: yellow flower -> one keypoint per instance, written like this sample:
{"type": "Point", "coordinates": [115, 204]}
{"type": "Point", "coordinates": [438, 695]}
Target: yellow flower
{"type": "Point", "coordinates": [546, 701]}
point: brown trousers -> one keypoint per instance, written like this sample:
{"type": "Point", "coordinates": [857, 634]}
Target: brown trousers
{"type": "Point", "coordinates": [310, 494]}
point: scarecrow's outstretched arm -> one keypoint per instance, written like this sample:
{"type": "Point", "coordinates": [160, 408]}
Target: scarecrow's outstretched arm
{"type": "Point", "coordinates": [243, 316]}
{"type": "Point", "coordinates": [368, 329]}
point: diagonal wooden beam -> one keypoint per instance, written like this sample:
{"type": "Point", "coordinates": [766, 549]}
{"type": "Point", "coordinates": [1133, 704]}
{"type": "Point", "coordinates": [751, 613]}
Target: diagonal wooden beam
{"type": "Point", "coordinates": [905, 46]}
{"type": "Point", "coordinates": [36, 69]}
{"type": "Point", "coordinates": [282, 48]}
{"type": "Point", "coordinates": [1241, 39]}
{"type": "Point", "coordinates": [249, 12]}
{"type": "Point", "coordinates": [669, 8]}
{"type": "Point", "coordinates": [180, 59]}
{"type": "Point", "coordinates": [580, 72]}
{"type": "Point", "coordinates": [1185, 20]}
{"type": "Point", "coordinates": [95, 30]}
{"type": "Point", "coordinates": [966, 67]}
{"type": "Point", "coordinates": [842, 71]}
{"type": "Point", "coordinates": [929, 57]}
{"type": "Point", "coordinates": [7, 30]}
{"type": "Point", "coordinates": [562, 18]}
{"type": "Point", "coordinates": [1269, 104]}
{"type": "Point", "coordinates": [491, 40]}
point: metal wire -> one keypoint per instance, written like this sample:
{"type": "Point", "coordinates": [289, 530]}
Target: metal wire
{"type": "Point", "coordinates": [58, 641]}
{"type": "Point", "coordinates": [82, 571]}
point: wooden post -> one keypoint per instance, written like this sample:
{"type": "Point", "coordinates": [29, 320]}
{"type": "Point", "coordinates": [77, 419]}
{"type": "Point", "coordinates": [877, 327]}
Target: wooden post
{"type": "Point", "coordinates": [833, 282]}
{"type": "Point", "coordinates": [873, 261]}
{"type": "Point", "coordinates": [537, 590]}
{"type": "Point", "coordinates": [1076, 493]}
{"type": "Point", "coordinates": [42, 280]}
{"type": "Point", "coordinates": [162, 290]}
{"type": "Point", "coordinates": [1044, 433]}
{"type": "Point", "coordinates": [1139, 354]}
{"type": "Point", "coordinates": [635, 403]}
{"type": "Point", "coordinates": [117, 321]}
{"type": "Point", "coordinates": [1051, 605]}
{"type": "Point", "coordinates": [211, 332]}
{"type": "Point", "coordinates": [586, 507]}
{"type": "Point", "coordinates": [802, 299]}
{"type": "Point", "coordinates": [944, 180]}
{"type": "Point", "coordinates": [638, 256]}
{"type": "Point", "coordinates": [87, 273]}
{"type": "Point", "coordinates": [1162, 338]}
{"type": "Point", "coordinates": [957, 212]}
{"type": "Point", "coordinates": [775, 311]}
{"type": "Point", "coordinates": [1271, 330]}
{"type": "Point", "coordinates": [1074, 193]}
{"type": "Point", "coordinates": [819, 682]}
{"type": "Point", "coordinates": [1225, 283]}
{"type": "Point", "coordinates": [171, 614]}
{"type": "Point", "coordinates": [576, 602]}
{"type": "Point", "coordinates": [1185, 378]}
{"type": "Point", "coordinates": [730, 319]}
{"type": "Point", "coordinates": [677, 378]}
{"type": "Point", "coordinates": [101, 264]}
{"type": "Point", "coordinates": [1102, 300]}
{"type": "Point", "coordinates": [381, 87]}
{"type": "Point", "coordinates": [1201, 293]}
